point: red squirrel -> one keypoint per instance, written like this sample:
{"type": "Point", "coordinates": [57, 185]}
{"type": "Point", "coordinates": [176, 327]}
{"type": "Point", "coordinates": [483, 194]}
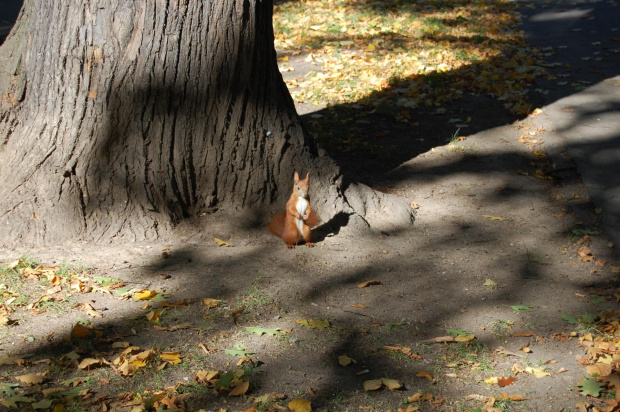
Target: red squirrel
{"type": "Point", "coordinates": [293, 224]}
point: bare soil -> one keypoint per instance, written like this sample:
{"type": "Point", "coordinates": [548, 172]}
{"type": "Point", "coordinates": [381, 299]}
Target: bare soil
{"type": "Point", "coordinates": [432, 278]}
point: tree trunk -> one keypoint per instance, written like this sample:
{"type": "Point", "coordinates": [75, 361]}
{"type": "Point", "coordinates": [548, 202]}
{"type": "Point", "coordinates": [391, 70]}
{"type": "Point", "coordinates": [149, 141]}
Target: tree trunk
{"type": "Point", "coordinates": [120, 118]}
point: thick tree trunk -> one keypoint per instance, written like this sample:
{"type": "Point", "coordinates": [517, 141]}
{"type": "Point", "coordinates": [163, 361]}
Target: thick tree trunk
{"type": "Point", "coordinates": [120, 118]}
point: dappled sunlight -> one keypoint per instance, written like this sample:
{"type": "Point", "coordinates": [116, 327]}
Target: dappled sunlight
{"type": "Point", "coordinates": [403, 53]}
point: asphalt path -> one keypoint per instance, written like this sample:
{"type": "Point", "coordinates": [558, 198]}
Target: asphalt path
{"type": "Point", "coordinates": [581, 41]}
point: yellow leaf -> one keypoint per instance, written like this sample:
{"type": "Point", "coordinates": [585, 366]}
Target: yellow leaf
{"type": "Point", "coordinates": [344, 360]}
{"type": "Point", "coordinates": [392, 384]}
{"type": "Point", "coordinates": [492, 380]}
{"type": "Point", "coordinates": [221, 242]}
{"type": "Point", "coordinates": [440, 339]}
{"type": "Point", "coordinates": [500, 219]}
{"type": "Point", "coordinates": [153, 316]}
{"type": "Point", "coordinates": [172, 357]}
{"type": "Point", "coordinates": [88, 362]}
{"type": "Point", "coordinates": [372, 385]}
{"type": "Point", "coordinates": [300, 405]}
{"type": "Point", "coordinates": [145, 294]}
{"type": "Point", "coordinates": [31, 378]}
{"type": "Point", "coordinates": [538, 372]}
{"type": "Point", "coordinates": [240, 388]}
{"type": "Point", "coordinates": [206, 376]}
{"type": "Point", "coordinates": [371, 47]}
{"type": "Point", "coordinates": [464, 338]}
{"type": "Point", "coordinates": [409, 408]}
{"type": "Point", "coordinates": [210, 303]}
{"type": "Point", "coordinates": [419, 396]}
{"type": "Point", "coordinates": [283, 59]}
{"type": "Point", "coordinates": [424, 374]}
{"type": "Point", "coordinates": [79, 331]}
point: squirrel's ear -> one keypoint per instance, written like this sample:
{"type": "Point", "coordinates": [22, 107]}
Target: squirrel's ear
{"type": "Point", "coordinates": [307, 174]}
{"type": "Point", "coordinates": [296, 177]}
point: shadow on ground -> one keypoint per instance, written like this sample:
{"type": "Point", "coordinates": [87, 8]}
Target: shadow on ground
{"type": "Point", "coordinates": [431, 276]}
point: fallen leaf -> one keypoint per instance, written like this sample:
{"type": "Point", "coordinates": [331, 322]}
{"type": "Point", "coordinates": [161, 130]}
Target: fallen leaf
{"type": "Point", "coordinates": [220, 242]}
{"type": "Point", "coordinates": [262, 331]}
{"type": "Point", "coordinates": [489, 283]}
{"type": "Point", "coordinates": [369, 283]}
{"type": "Point", "coordinates": [537, 372]}
{"type": "Point", "coordinates": [590, 387]}
{"type": "Point", "coordinates": [500, 219]}
{"type": "Point", "coordinates": [153, 316]}
{"type": "Point", "coordinates": [501, 382]}
{"type": "Point", "coordinates": [89, 362]}
{"type": "Point", "coordinates": [424, 374]}
{"type": "Point", "coordinates": [145, 294]}
{"type": "Point", "coordinates": [210, 303]}
{"type": "Point", "coordinates": [419, 396]}
{"type": "Point", "coordinates": [359, 306]}
{"type": "Point", "coordinates": [80, 331]}
{"type": "Point", "coordinates": [464, 338]}
{"type": "Point", "coordinates": [240, 388]}
{"type": "Point", "coordinates": [492, 380]}
{"type": "Point", "coordinates": [300, 405]}
{"type": "Point", "coordinates": [170, 357]}
{"type": "Point", "coordinates": [313, 324]}
{"type": "Point", "coordinates": [440, 339]}
{"type": "Point", "coordinates": [31, 378]}
{"type": "Point", "coordinates": [344, 360]}
{"type": "Point", "coordinates": [372, 385]}
{"type": "Point", "coordinates": [391, 384]}
{"type": "Point", "coordinates": [599, 369]}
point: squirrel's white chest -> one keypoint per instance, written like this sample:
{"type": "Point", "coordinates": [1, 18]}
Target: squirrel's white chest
{"type": "Point", "coordinates": [301, 207]}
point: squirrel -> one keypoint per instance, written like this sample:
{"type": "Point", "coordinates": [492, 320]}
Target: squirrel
{"type": "Point", "coordinates": [293, 224]}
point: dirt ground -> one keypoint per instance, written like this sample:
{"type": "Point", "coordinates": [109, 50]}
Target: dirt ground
{"type": "Point", "coordinates": [488, 235]}
{"type": "Point", "coordinates": [501, 214]}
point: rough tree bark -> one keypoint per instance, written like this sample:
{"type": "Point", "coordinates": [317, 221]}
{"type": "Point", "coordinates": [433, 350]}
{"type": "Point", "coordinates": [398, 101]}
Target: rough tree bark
{"type": "Point", "coordinates": [120, 118]}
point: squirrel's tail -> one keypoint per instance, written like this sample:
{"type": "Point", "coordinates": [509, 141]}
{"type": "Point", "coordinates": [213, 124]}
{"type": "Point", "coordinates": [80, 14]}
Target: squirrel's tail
{"type": "Point", "coordinates": [313, 220]}
{"type": "Point", "coordinates": [276, 226]}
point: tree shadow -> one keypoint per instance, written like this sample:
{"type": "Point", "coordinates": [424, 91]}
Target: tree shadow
{"type": "Point", "coordinates": [413, 286]}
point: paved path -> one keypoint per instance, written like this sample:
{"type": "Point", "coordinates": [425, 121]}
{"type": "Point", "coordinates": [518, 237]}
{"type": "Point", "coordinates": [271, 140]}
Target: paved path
{"type": "Point", "coordinates": [581, 41]}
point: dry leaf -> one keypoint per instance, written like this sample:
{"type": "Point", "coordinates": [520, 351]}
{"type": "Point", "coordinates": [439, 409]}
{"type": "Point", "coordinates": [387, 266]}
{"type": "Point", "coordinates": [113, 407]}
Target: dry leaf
{"type": "Point", "coordinates": [300, 405]}
{"type": "Point", "coordinates": [79, 331]}
{"type": "Point", "coordinates": [221, 242]}
{"type": "Point", "coordinates": [419, 396]}
{"type": "Point", "coordinates": [372, 385]}
{"type": "Point", "coordinates": [464, 338]}
{"type": "Point", "coordinates": [440, 339]}
{"type": "Point", "coordinates": [240, 388]}
{"type": "Point", "coordinates": [153, 316]}
{"type": "Point", "coordinates": [599, 369]}
{"type": "Point", "coordinates": [344, 360]}
{"type": "Point", "coordinates": [501, 382]}
{"type": "Point", "coordinates": [391, 384]}
{"type": "Point", "coordinates": [31, 378]}
{"type": "Point", "coordinates": [171, 357]}
{"type": "Point", "coordinates": [500, 219]}
{"type": "Point", "coordinates": [369, 283]}
{"type": "Point", "coordinates": [359, 306]}
{"type": "Point", "coordinates": [145, 294]}
{"type": "Point", "coordinates": [210, 303]}
{"type": "Point", "coordinates": [89, 362]}
{"type": "Point", "coordinates": [424, 374]}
